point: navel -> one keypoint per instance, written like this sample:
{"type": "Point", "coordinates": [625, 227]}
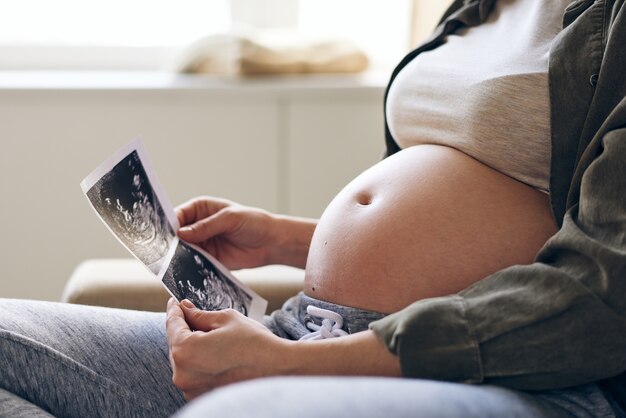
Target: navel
{"type": "Point", "coordinates": [364, 198]}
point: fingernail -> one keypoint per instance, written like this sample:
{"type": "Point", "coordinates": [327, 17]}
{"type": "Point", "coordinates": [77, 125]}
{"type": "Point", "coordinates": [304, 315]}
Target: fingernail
{"type": "Point", "coordinates": [187, 304]}
{"type": "Point", "coordinates": [185, 229]}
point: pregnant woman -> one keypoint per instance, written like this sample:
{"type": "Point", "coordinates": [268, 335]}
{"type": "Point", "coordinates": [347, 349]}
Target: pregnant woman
{"type": "Point", "coordinates": [479, 270]}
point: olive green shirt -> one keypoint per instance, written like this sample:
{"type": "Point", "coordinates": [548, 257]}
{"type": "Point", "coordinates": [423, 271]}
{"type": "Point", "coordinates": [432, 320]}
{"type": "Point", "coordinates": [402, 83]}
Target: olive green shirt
{"type": "Point", "coordinates": [560, 321]}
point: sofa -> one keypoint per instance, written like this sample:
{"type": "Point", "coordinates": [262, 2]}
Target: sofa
{"type": "Point", "coordinates": [126, 283]}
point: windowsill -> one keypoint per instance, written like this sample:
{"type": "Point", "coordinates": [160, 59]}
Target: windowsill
{"type": "Point", "coordinates": [158, 81]}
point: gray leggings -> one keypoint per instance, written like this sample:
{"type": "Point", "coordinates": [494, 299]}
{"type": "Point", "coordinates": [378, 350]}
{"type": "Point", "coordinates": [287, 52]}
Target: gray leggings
{"type": "Point", "coordinates": [77, 361]}
{"type": "Point", "coordinates": [80, 361]}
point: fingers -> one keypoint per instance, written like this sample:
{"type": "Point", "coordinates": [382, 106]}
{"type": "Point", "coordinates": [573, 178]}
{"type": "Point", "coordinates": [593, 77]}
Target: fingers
{"type": "Point", "coordinates": [175, 324]}
{"type": "Point", "coordinates": [187, 346]}
{"type": "Point", "coordinates": [186, 212]}
{"type": "Point", "coordinates": [207, 228]}
{"type": "Point", "coordinates": [199, 208]}
{"type": "Point", "coordinates": [200, 320]}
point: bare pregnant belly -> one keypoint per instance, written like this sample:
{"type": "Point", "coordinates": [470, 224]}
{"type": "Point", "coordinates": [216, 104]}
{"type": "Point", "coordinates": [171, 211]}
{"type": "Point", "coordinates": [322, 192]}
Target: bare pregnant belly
{"type": "Point", "coordinates": [425, 222]}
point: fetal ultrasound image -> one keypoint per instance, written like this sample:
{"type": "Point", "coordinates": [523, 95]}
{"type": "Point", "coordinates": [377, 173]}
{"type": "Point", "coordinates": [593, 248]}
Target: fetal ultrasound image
{"type": "Point", "coordinates": [127, 203]}
{"type": "Point", "coordinates": [190, 275]}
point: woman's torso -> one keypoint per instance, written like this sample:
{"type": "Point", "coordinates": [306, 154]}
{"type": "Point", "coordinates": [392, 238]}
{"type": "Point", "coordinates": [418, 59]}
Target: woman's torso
{"type": "Point", "coordinates": [425, 222]}
{"type": "Point", "coordinates": [431, 219]}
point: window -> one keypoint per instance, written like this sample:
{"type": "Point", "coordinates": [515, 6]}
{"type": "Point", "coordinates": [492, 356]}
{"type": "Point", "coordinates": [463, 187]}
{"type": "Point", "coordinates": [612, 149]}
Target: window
{"type": "Point", "coordinates": [380, 27]}
{"type": "Point", "coordinates": [147, 34]}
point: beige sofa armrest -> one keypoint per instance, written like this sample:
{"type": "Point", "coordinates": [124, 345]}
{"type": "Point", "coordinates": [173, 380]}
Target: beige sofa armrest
{"type": "Point", "coordinates": [125, 283]}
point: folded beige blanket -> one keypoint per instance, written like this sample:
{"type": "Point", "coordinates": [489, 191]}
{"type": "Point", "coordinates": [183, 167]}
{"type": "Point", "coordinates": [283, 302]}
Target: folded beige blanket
{"type": "Point", "coordinates": [278, 53]}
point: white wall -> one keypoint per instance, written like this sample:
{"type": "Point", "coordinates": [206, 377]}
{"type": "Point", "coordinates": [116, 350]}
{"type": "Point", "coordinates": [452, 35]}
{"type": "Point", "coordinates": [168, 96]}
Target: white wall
{"type": "Point", "coordinates": [265, 143]}
{"type": "Point", "coordinates": [426, 15]}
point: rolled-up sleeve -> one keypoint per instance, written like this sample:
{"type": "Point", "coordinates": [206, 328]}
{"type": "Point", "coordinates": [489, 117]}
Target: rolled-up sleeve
{"type": "Point", "coordinates": [558, 322]}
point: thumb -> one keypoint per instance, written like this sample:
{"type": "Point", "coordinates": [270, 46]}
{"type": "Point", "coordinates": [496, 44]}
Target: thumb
{"type": "Point", "coordinates": [207, 228]}
{"type": "Point", "coordinates": [197, 319]}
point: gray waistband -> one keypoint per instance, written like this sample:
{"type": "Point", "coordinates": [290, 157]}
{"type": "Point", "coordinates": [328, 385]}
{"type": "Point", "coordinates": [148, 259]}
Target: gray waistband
{"type": "Point", "coordinates": [290, 321]}
{"type": "Point", "coordinates": [354, 319]}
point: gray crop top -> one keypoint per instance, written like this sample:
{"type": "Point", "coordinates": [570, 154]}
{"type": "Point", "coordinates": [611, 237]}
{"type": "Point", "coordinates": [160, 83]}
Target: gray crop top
{"type": "Point", "coordinates": [485, 91]}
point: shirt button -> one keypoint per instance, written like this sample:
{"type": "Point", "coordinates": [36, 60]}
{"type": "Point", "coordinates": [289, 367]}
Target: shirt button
{"type": "Point", "coordinates": [593, 80]}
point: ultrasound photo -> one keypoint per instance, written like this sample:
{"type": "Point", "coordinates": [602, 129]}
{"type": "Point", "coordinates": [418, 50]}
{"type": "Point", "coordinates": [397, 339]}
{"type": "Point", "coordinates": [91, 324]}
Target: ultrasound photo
{"type": "Point", "coordinates": [127, 203]}
{"type": "Point", "coordinates": [127, 196]}
{"type": "Point", "coordinates": [191, 275]}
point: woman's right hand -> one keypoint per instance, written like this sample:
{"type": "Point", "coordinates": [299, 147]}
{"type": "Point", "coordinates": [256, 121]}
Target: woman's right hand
{"type": "Point", "coordinates": [241, 236]}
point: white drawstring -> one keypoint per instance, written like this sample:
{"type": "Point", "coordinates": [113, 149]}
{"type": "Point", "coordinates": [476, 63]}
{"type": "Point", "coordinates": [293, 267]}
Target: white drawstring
{"type": "Point", "coordinates": [331, 324]}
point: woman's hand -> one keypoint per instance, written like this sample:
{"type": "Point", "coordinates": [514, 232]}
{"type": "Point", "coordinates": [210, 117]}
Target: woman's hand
{"type": "Point", "coordinates": [244, 237]}
{"type": "Point", "coordinates": [209, 349]}
{"type": "Point", "coordinates": [212, 349]}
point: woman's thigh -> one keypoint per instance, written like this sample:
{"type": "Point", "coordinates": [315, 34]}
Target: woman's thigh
{"type": "Point", "coordinates": [338, 397]}
{"type": "Point", "coordinates": [16, 407]}
{"type": "Point", "coordinates": [74, 360]}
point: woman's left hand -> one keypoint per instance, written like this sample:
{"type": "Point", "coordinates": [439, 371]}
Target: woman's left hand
{"type": "Point", "coordinates": [213, 348]}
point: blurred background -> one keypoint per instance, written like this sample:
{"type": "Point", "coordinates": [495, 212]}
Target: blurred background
{"type": "Point", "coordinates": [272, 103]}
